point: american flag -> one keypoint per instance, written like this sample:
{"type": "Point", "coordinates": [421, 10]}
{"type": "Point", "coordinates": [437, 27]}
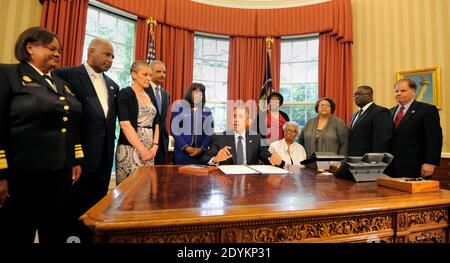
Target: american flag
{"type": "Point", "coordinates": [266, 88]}
{"type": "Point", "coordinates": [151, 54]}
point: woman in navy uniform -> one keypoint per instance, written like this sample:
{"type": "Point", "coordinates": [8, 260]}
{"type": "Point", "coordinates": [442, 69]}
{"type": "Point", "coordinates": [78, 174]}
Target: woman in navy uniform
{"type": "Point", "coordinates": [40, 153]}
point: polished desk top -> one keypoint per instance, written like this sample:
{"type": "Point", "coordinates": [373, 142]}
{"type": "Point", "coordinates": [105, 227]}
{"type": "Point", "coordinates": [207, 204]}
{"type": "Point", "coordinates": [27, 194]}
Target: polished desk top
{"type": "Point", "coordinates": [159, 196]}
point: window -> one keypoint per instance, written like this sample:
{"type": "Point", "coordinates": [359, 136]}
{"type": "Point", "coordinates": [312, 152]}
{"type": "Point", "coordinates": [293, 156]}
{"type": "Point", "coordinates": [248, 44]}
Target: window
{"type": "Point", "coordinates": [120, 31]}
{"type": "Point", "coordinates": [299, 77]}
{"type": "Point", "coordinates": [211, 69]}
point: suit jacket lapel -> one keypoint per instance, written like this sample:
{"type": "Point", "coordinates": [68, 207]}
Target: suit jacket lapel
{"type": "Point", "coordinates": [164, 105]}
{"type": "Point", "coordinates": [29, 71]}
{"type": "Point", "coordinates": [248, 147]}
{"type": "Point", "coordinates": [153, 98]}
{"type": "Point", "coordinates": [90, 90]}
{"type": "Point", "coordinates": [364, 114]}
{"type": "Point", "coordinates": [59, 84]}
{"type": "Point", "coordinates": [110, 89]}
{"type": "Point", "coordinates": [230, 141]}
{"type": "Point", "coordinates": [408, 114]}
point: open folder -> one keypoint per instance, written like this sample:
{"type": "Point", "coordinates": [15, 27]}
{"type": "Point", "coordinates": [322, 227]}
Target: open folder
{"type": "Point", "coordinates": [251, 169]}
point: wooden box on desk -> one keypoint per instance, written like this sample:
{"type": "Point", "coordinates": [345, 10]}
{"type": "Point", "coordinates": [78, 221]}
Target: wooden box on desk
{"type": "Point", "coordinates": [411, 185]}
{"type": "Point", "coordinates": [196, 169]}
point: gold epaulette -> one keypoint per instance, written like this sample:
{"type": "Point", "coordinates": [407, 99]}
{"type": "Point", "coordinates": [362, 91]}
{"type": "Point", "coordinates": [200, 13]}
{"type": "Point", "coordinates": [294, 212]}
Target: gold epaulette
{"type": "Point", "coordinates": [78, 151]}
{"type": "Point", "coordinates": [3, 162]}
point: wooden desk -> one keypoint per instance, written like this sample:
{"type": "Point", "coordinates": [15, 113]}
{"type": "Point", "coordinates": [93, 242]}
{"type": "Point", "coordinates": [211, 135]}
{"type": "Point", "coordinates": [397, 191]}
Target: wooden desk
{"type": "Point", "coordinates": [156, 204]}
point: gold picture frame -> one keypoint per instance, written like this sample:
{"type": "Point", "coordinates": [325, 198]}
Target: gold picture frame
{"type": "Point", "coordinates": [428, 82]}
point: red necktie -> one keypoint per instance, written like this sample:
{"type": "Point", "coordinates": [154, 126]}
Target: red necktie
{"type": "Point", "coordinates": [399, 117]}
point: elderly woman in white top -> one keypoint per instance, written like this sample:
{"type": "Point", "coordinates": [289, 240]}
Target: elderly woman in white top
{"type": "Point", "coordinates": [291, 152]}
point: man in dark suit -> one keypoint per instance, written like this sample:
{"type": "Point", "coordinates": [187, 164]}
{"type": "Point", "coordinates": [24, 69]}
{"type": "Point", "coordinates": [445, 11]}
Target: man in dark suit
{"type": "Point", "coordinates": [161, 99]}
{"type": "Point", "coordinates": [97, 93]}
{"type": "Point", "coordinates": [239, 146]}
{"type": "Point", "coordinates": [370, 127]}
{"type": "Point", "coordinates": [417, 137]}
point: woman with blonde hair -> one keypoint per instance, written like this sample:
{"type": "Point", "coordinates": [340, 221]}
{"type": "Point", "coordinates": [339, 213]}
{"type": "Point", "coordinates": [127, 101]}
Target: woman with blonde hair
{"type": "Point", "coordinates": [139, 124]}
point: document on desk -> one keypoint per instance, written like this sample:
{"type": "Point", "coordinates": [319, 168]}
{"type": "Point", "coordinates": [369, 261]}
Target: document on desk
{"type": "Point", "coordinates": [237, 169]}
{"type": "Point", "coordinates": [268, 169]}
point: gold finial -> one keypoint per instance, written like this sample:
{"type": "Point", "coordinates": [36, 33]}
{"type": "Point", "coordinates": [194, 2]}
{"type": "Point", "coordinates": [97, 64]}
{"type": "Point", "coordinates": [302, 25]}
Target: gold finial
{"type": "Point", "coordinates": [269, 42]}
{"type": "Point", "coordinates": [151, 22]}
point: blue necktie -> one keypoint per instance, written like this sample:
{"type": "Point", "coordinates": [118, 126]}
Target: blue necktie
{"type": "Point", "coordinates": [240, 151]}
{"type": "Point", "coordinates": [158, 99]}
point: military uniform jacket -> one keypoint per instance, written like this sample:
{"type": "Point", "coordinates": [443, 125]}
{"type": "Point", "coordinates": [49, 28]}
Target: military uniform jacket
{"type": "Point", "coordinates": [38, 126]}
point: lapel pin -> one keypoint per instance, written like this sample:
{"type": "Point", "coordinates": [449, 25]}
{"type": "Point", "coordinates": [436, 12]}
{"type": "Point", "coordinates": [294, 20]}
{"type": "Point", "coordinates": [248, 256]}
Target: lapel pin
{"type": "Point", "coordinates": [413, 111]}
{"type": "Point", "coordinates": [26, 78]}
{"type": "Point", "coordinates": [111, 87]}
{"type": "Point", "coordinates": [250, 141]}
{"type": "Point", "coordinates": [68, 90]}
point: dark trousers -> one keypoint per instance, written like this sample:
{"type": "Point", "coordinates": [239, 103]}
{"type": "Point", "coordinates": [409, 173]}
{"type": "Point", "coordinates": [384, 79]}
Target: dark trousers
{"type": "Point", "coordinates": [35, 203]}
{"type": "Point", "coordinates": [89, 190]}
{"type": "Point", "coordinates": [160, 157]}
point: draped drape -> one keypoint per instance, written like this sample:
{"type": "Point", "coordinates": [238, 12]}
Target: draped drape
{"type": "Point", "coordinates": [246, 67]}
{"type": "Point", "coordinates": [335, 73]}
{"type": "Point", "coordinates": [67, 18]}
{"type": "Point", "coordinates": [178, 19]}
{"type": "Point", "coordinates": [234, 21]}
{"type": "Point", "coordinates": [335, 60]}
{"type": "Point", "coordinates": [175, 47]}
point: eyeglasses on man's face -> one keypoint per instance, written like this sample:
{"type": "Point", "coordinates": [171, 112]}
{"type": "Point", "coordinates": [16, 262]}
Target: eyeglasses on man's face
{"type": "Point", "coordinates": [359, 94]}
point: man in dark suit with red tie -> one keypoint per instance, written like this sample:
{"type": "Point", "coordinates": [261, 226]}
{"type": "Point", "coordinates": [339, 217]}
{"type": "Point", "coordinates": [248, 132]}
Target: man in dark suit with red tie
{"type": "Point", "coordinates": [97, 93]}
{"type": "Point", "coordinates": [417, 136]}
{"type": "Point", "coordinates": [370, 127]}
{"type": "Point", "coordinates": [161, 100]}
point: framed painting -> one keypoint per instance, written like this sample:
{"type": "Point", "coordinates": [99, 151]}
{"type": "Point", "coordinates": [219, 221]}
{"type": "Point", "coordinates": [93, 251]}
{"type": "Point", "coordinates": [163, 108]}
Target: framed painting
{"type": "Point", "coordinates": [428, 82]}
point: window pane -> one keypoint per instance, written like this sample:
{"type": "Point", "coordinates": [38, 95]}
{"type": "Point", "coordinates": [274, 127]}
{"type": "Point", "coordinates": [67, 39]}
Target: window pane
{"type": "Point", "coordinates": [121, 32]}
{"type": "Point", "coordinates": [286, 73]}
{"type": "Point", "coordinates": [299, 51]}
{"type": "Point", "coordinates": [222, 50]}
{"type": "Point", "coordinates": [107, 27]}
{"type": "Point", "coordinates": [92, 21]}
{"type": "Point", "coordinates": [299, 77]}
{"type": "Point", "coordinates": [211, 69]}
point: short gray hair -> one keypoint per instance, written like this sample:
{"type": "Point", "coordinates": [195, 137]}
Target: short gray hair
{"type": "Point", "coordinates": [98, 41]}
{"type": "Point", "coordinates": [154, 62]}
{"type": "Point", "coordinates": [293, 123]}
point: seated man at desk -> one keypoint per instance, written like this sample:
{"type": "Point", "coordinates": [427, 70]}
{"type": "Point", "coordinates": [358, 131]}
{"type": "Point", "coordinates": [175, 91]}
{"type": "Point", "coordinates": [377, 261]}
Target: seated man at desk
{"type": "Point", "coordinates": [239, 146]}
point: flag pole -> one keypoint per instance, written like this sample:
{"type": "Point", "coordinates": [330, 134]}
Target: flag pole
{"type": "Point", "coordinates": [269, 43]}
{"type": "Point", "coordinates": [151, 22]}
{"type": "Point", "coordinates": [151, 54]}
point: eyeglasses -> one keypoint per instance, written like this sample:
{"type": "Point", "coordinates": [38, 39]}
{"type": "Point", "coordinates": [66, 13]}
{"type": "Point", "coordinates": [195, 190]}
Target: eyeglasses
{"type": "Point", "coordinates": [358, 94]}
{"type": "Point", "coordinates": [290, 131]}
{"type": "Point", "coordinates": [324, 105]}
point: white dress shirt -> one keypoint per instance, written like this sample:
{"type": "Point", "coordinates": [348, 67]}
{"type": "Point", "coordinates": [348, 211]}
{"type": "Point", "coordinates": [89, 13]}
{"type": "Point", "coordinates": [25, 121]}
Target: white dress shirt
{"type": "Point", "coordinates": [295, 155]}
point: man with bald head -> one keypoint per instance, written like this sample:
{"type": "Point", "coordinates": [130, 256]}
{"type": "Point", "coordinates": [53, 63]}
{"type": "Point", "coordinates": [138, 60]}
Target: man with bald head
{"type": "Point", "coordinates": [97, 93]}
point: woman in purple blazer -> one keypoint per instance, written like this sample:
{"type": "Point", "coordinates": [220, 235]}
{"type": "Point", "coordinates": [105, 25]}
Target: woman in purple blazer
{"type": "Point", "coordinates": [192, 126]}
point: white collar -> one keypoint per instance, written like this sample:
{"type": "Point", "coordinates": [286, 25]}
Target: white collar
{"type": "Point", "coordinates": [38, 71]}
{"type": "Point", "coordinates": [91, 71]}
{"type": "Point", "coordinates": [366, 106]}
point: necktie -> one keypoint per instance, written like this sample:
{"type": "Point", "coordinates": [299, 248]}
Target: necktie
{"type": "Point", "coordinates": [50, 81]}
{"type": "Point", "coordinates": [158, 99]}
{"type": "Point", "coordinates": [358, 115]}
{"type": "Point", "coordinates": [399, 117]}
{"type": "Point", "coordinates": [101, 93]}
{"type": "Point", "coordinates": [240, 151]}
